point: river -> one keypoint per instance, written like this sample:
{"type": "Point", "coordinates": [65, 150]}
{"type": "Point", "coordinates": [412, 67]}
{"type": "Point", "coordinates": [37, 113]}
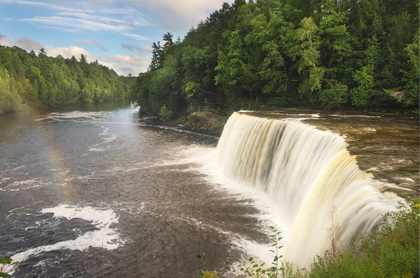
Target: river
{"type": "Point", "coordinates": [97, 191]}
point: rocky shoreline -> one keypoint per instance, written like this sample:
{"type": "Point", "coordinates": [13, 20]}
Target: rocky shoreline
{"type": "Point", "coordinates": [204, 122]}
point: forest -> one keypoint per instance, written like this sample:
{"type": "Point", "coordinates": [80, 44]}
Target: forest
{"type": "Point", "coordinates": [328, 54]}
{"type": "Point", "coordinates": [37, 80]}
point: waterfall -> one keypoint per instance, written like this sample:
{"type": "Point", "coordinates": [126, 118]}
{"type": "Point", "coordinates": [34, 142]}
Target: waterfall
{"type": "Point", "coordinates": [306, 173]}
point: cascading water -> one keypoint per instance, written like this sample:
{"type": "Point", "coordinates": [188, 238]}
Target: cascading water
{"type": "Point", "coordinates": [306, 173]}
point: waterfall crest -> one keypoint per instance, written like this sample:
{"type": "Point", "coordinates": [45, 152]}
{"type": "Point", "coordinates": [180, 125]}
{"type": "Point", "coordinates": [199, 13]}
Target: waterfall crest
{"type": "Point", "coordinates": [305, 172]}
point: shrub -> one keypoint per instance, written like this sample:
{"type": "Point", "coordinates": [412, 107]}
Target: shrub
{"type": "Point", "coordinates": [334, 98]}
{"type": "Point", "coordinates": [165, 113]}
{"type": "Point", "coordinates": [391, 250]}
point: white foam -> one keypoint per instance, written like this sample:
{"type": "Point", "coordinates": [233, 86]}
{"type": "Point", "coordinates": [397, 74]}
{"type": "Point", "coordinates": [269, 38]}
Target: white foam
{"type": "Point", "coordinates": [74, 115]}
{"type": "Point", "coordinates": [105, 132]}
{"type": "Point", "coordinates": [354, 116]}
{"type": "Point", "coordinates": [96, 150]}
{"type": "Point", "coordinates": [402, 161]}
{"type": "Point", "coordinates": [203, 160]}
{"type": "Point", "coordinates": [405, 179]}
{"type": "Point", "coordinates": [113, 137]}
{"type": "Point", "coordinates": [25, 185]}
{"type": "Point", "coordinates": [104, 237]}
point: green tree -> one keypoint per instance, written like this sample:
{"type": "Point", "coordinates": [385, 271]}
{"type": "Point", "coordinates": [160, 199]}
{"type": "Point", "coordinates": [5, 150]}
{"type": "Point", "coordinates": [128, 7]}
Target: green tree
{"type": "Point", "coordinates": [308, 65]}
{"type": "Point", "coordinates": [365, 76]}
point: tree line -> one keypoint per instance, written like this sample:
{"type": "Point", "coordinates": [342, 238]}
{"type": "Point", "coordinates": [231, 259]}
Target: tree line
{"type": "Point", "coordinates": [37, 80]}
{"type": "Point", "coordinates": [330, 54]}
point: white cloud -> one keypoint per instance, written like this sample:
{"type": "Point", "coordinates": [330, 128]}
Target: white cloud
{"type": "Point", "coordinates": [5, 40]}
{"type": "Point", "coordinates": [123, 65]}
{"type": "Point", "coordinates": [77, 23]}
{"type": "Point", "coordinates": [141, 50]}
{"type": "Point", "coordinates": [122, 69]}
{"type": "Point", "coordinates": [135, 36]}
{"type": "Point", "coordinates": [131, 60]}
{"type": "Point", "coordinates": [24, 43]}
{"type": "Point", "coordinates": [73, 16]}
{"type": "Point", "coordinates": [69, 51]}
{"type": "Point", "coordinates": [29, 44]}
{"type": "Point", "coordinates": [59, 5]}
{"type": "Point", "coordinates": [93, 43]}
{"type": "Point", "coordinates": [180, 15]}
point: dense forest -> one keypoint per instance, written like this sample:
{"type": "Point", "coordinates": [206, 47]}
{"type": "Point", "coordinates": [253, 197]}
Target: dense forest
{"type": "Point", "coordinates": [28, 79]}
{"type": "Point", "coordinates": [330, 54]}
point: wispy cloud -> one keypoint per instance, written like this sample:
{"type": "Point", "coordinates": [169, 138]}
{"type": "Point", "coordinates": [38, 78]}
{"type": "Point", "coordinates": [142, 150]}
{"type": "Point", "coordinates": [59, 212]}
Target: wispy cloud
{"type": "Point", "coordinates": [128, 60]}
{"type": "Point", "coordinates": [93, 43]}
{"type": "Point", "coordinates": [141, 50]}
{"type": "Point", "coordinates": [180, 15]}
{"type": "Point", "coordinates": [29, 44]}
{"type": "Point", "coordinates": [125, 64]}
{"type": "Point", "coordinates": [49, 5]}
{"type": "Point", "coordinates": [5, 40]}
{"type": "Point", "coordinates": [136, 36]}
{"type": "Point", "coordinates": [69, 51]}
{"type": "Point", "coordinates": [77, 23]}
{"type": "Point", "coordinates": [86, 16]}
{"type": "Point", "coordinates": [24, 43]}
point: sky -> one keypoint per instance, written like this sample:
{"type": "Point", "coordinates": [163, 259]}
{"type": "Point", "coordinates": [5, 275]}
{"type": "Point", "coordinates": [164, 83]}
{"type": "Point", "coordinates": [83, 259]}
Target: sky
{"type": "Point", "coordinates": [118, 34]}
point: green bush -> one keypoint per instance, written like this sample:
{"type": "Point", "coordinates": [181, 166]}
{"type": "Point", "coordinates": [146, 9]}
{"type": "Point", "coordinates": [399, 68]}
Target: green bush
{"type": "Point", "coordinates": [4, 262]}
{"type": "Point", "coordinates": [334, 98]}
{"type": "Point", "coordinates": [165, 113]}
{"type": "Point", "coordinates": [390, 250]}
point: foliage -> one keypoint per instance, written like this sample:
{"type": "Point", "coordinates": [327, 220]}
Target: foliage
{"type": "Point", "coordinates": [201, 258]}
{"type": "Point", "coordinates": [40, 80]}
{"type": "Point", "coordinates": [390, 250]}
{"type": "Point", "coordinates": [334, 98]}
{"type": "Point", "coordinates": [331, 54]}
{"type": "Point", "coordinates": [8, 100]}
{"type": "Point", "coordinates": [165, 112]}
{"type": "Point", "coordinates": [411, 72]}
{"type": "Point", "coordinates": [258, 270]}
{"type": "Point", "coordinates": [6, 261]}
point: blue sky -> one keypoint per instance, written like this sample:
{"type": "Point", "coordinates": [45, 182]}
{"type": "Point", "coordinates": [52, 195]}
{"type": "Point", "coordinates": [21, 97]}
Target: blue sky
{"type": "Point", "coordinates": [116, 33]}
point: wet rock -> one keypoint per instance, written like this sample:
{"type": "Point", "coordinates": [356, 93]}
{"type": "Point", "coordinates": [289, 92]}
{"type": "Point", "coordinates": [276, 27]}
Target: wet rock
{"type": "Point", "coordinates": [206, 122]}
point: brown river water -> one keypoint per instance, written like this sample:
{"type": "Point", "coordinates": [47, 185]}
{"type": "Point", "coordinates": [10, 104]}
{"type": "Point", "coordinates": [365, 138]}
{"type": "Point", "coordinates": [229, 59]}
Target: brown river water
{"type": "Point", "coordinates": [97, 191]}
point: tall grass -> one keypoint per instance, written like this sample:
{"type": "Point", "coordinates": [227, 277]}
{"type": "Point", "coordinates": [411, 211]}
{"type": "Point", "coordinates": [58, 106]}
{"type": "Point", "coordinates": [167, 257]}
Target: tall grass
{"type": "Point", "coordinates": [390, 250]}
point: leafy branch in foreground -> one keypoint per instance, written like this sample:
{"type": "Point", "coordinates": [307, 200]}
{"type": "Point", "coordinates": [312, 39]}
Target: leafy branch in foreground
{"type": "Point", "coordinates": [260, 270]}
{"type": "Point", "coordinates": [201, 258]}
{"type": "Point", "coordinates": [6, 261]}
{"type": "Point", "coordinates": [390, 250]}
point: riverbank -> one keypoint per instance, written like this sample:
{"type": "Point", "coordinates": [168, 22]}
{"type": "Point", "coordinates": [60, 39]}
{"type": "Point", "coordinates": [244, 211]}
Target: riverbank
{"type": "Point", "coordinates": [204, 122]}
{"type": "Point", "coordinates": [212, 122]}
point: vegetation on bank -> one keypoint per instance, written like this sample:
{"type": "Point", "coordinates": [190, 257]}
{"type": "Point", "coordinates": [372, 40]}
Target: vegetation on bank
{"type": "Point", "coordinates": [345, 54]}
{"type": "Point", "coordinates": [390, 250]}
{"type": "Point", "coordinates": [29, 79]}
